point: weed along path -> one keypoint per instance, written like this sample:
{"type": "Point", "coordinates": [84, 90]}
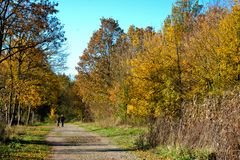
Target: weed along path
{"type": "Point", "coordinates": [74, 143]}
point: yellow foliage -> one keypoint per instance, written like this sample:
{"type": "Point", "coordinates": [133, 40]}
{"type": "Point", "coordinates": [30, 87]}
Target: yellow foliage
{"type": "Point", "coordinates": [52, 114]}
{"type": "Point", "coordinates": [190, 58]}
{"type": "Point", "coordinates": [130, 109]}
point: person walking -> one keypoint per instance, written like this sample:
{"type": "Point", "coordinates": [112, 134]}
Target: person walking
{"type": "Point", "coordinates": [58, 120]}
{"type": "Point", "coordinates": [62, 120]}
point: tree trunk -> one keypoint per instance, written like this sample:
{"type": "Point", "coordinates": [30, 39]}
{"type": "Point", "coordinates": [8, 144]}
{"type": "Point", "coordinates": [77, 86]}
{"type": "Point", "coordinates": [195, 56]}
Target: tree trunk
{"type": "Point", "coordinates": [9, 109]}
{"type": "Point", "coordinates": [10, 94]}
{"type": "Point", "coordinates": [28, 115]}
{"type": "Point", "coordinates": [12, 115]}
{"type": "Point", "coordinates": [32, 119]}
{"type": "Point", "coordinates": [6, 113]}
{"type": "Point", "coordinates": [19, 114]}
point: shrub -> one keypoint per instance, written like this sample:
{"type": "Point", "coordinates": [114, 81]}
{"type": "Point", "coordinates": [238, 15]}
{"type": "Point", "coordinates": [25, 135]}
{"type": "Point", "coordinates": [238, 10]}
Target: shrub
{"type": "Point", "coordinates": [212, 124]}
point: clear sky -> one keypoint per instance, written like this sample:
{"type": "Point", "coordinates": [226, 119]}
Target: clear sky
{"type": "Point", "coordinates": [82, 17]}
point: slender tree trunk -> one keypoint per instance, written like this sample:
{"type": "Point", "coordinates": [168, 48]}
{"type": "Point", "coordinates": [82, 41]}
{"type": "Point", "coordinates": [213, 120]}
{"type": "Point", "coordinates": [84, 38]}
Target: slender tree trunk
{"type": "Point", "coordinates": [14, 110]}
{"type": "Point", "coordinates": [6, 113]}
{"type": "Point", "coordinates": [10, 94]}
{"type": "Point", "coordinates": [19, 114]}
{"type": "Point", "coordinates": [9, 109]}
{"type": "Point", "coordinates": [32, 119]}
{"type": "Point", "coordinates": [28, 115]}
{"type": "Point", "coordinates": [12, 114]}
{"type": "Point", "coordinates": [2, 26]}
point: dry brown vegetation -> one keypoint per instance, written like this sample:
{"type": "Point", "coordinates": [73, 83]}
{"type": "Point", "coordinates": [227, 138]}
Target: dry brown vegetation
{"type": "Point", "coordinates": [212, 124]}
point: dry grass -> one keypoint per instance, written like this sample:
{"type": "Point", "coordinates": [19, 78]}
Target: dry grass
{"type": "Point", "coordinates": [213, 124]}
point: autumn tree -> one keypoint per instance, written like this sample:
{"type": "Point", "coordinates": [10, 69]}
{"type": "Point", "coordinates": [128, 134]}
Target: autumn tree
{"type": "Point", "coordinates": [213, 61]}
{"type": "Point", "coordinates": [41, 29]}
{"type": "Point", "coordinates": [31, 36]}
{"type": "Point", "coordinates": [95, 66]}
{"type": "Point", "coordinates": [174, 80]}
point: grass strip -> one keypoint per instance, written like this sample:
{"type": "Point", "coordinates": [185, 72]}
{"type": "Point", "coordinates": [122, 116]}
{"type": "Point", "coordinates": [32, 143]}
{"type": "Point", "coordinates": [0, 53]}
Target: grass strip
{"type": "Point", "coordinates": [121, 135]}
{"type": "Point", "coordinates": [126, 136]}
{"type": "Point", "coordinates": [26, 142]}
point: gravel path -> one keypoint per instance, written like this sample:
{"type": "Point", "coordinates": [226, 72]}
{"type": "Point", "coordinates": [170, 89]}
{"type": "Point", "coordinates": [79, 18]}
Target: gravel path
{"type": "Point", "coordinates": [74, 143]}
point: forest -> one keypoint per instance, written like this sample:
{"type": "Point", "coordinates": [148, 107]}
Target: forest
{"type": "Point", "coordinates": [32, 59]}
{"type": "Point", "coordinates": [181, 82]}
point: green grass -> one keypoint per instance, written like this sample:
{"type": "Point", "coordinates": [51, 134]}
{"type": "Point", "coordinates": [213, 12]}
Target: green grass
{"type": "Point", "coordinates": [126, 136]}
{"type": "Point", "coordinates": [122, 135]}
{"type": "Point", "coordinates": [26, 142]}
{"type": "Point", "coordinates": [174, 153]}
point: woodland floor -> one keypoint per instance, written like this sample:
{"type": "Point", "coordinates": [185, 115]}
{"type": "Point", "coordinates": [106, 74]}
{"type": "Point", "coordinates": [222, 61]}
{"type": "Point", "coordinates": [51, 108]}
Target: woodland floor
{"type": "Point", "coordinates": [74, 143]}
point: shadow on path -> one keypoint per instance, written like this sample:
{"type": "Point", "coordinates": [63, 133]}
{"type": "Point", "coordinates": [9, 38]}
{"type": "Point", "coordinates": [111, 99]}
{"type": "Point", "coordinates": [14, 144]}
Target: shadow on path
{"type": "Point", "coordinates": [73, 142]}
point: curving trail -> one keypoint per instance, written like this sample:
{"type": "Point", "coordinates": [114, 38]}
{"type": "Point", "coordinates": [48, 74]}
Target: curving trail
{"type": "Point", "coordinates": [74, 143]}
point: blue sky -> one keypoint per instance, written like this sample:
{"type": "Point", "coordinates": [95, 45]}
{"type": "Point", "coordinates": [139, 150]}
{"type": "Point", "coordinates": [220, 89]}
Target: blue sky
{"type": "Point", "coordinates": [82, 17]}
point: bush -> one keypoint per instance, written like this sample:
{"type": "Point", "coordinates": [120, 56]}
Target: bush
{"type": "Point", "coordinates": [212, 124]}
{"type": "Point", "coordinates": [141, 142]}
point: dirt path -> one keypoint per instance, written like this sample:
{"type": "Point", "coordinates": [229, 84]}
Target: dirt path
{"type": "Point", "coordinates": [74, 143]}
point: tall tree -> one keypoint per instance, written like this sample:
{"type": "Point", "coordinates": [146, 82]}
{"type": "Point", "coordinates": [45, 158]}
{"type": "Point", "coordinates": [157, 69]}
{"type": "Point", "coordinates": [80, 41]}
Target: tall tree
{"type": "Point", "coordinates": [95, 66]}
{"type": "Point", "coordinates": [30, 36]}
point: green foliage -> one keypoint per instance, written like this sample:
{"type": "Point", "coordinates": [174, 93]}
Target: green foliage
{"type": "Point", "coordinates": [68, 102]}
